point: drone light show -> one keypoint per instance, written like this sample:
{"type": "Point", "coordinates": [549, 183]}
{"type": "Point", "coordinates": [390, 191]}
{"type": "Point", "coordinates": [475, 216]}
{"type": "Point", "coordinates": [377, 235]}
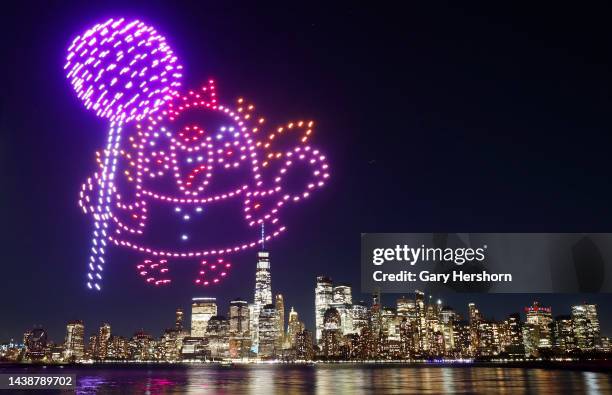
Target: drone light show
{"type": "Point", "coordinates": [184, 154]}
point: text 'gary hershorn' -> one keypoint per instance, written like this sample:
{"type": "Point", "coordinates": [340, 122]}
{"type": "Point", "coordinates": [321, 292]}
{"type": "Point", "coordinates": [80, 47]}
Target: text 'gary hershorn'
{"type": "Point", "coordinates": [412, 256]}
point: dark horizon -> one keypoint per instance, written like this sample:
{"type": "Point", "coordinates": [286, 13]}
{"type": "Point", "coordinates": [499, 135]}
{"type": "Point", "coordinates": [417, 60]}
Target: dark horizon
{"type": "Point", "coordinates": [434, 118]}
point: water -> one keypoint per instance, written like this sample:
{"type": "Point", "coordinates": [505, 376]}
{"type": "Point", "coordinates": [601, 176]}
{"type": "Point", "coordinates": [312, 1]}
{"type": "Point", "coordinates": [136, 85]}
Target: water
{"type": "Point", "coordinates": [329, 379]}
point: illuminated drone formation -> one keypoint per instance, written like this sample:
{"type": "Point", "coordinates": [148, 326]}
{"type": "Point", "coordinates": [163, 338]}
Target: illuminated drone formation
{"type": "Point", "coordinates": [179, 147]}
{"type": "Point", "coordinates": [122, 71]}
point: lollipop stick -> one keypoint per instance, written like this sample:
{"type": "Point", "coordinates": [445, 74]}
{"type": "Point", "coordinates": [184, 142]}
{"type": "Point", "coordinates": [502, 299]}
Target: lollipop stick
{"type": "Point", "coordinates": [123, 70]}
{"type": "Point", "coordinates": [103, 207]}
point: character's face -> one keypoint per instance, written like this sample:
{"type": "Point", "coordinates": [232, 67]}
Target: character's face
{"type": "Point", "coordinates": [205, 150]}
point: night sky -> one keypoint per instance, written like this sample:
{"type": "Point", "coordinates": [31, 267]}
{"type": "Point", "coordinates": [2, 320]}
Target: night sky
{"type": "Point", "coordinates": [434, 119]}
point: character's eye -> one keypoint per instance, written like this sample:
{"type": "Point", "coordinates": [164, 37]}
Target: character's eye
{"type": "Point", "coordinates": [154, 272]}
{"type": "Point", "coordinates": [212, 272]}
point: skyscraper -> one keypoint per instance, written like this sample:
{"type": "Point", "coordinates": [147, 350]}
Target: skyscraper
{"type": "Point", "coordinates": [171, 345]}
{"type": "Point", "coordinates": [104, 334]}
{"type": "Point", "coordinates": [303, 345]}
{"type": "Point", "coordinates": [218, 337]}
{"type": "Point", "coordinates": [323, 298]}
{"type": "Point", "coordinates": [447, 319]}
{"type": "Point", "coordinates": [421, 327]}
{"type": "Point", "coordinates": [359, 316]}
{"type": "Point", "coordinates": [35, 343]}
{"type": "Point", "coordinates": [178, 323]}
{"type": "Point", "coordinates": [263, 282]}
{"type": "Point", "coordinates": [513, 343]}
{"type": "Point", "coordinates": [474, 321]}
{"type": "Point", "coordinates": [201, 311]}
{"type": "Point", "coordinates": [141, 346]}
{"type": "Point", "coordinates": [563, 334]}
{"type": "Point", "coordinates": [376, 324]}
{"type": "Point", "coordinates": [268, 332]}
{"type": "Point", "coordinates": [239, 336]}
{"type": "Point", "coordinates": [342, 300]}
{"type": "Point", "coordinates": [537, 332]}
{"type": "Point", "coordinates": [405, 306]}
{"type": "Point", "coordinates": [331, 337]}
{"type": "Point", "coordinates": [279, 303]}
{"type": "Point", "coordinates": [74, 343]}
{"type": "Point", "coordinates": [263, 294]}
{"type": "Point", "coordinates": [91, 351]}
{"type": "Point", "coordinates": [390, 324]}
{"type": "Point", "coordinates": [239, 317]}
{"type": "Point", "coordinates": [118, 348]}
{"type": "Point", "coordinates": [586, 326]}
{"type": "Point", "coordinates": [293, 328]}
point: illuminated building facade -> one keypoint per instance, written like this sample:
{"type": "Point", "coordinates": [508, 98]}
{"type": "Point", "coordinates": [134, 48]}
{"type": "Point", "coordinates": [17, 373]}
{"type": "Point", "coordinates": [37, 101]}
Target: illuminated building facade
{"type": "Point", "coordinates": [268, 332]}
{"type": "Point", "coordinates": [279, 304]}
{"type": "Point", "coordinates": [239, 332]}
{"type": "Point", "coordinates": [404, 306]}
{"type": "Point", "coordinates": [563, 334]}
{"type": "Point", "coordinates": [293, 328]}
{"type": "Point", "coordinates": [202, 309]}
{"type": "Point", "coordinates": [75, 341]}
{"type": "Point", "coordinates": [218, 337]}
{"type": "Point", "coordinates": [195, 348]}
{"type": "Point", "coordinates": [104, 334]}
{"type": "Point", "coordinates": [323, 298]}
{"type": "Point", "coordinates": [512, 336]}
{"type": "Point", "coordinates": [172, 344]}
{"type": "Point", "coordinates": [263, 295]}
{"type": "Point", "coordinates": [118, 349]}
{"type": "Point", "coordinates": [586, 327]}
{"type": "Point", "coordinates": [331, 341]}
{"type": "Point", "coordinates": [419, 306]}
{"type": "Point", "coordinates": [179, 319]}
{"type": "Point", "coordinates": [304, 349]}
{"type": "Point", "coordinates": [447, 319]}
{"type": "Point", "coordinates": [35, 344]}
{"type": "Point", "coordinates": [359, 316]}
{"type": "Point", "coordinates": [537, 331]}
{"type": "Point", "coordinates": [142, 347]}
{"type": "Point", "coordinates": [474, 322]}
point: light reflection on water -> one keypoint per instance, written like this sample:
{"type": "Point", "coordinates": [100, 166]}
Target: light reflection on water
{"type": "Point", "coordinates": [337, 380]}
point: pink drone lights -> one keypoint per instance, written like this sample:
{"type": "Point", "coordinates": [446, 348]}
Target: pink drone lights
{"type": "Point", "coordinates": [122, 71]}
{"type": "Point", "coordinates": [186, 154]}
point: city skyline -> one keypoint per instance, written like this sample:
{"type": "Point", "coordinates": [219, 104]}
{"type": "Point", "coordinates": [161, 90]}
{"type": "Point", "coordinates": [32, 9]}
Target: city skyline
{"type": "Point", "coordinates": [416, 326]}
{"type": "Point", "coordinates": [563, 332]}
{"type": "Point", "coordinates": [326, 295]}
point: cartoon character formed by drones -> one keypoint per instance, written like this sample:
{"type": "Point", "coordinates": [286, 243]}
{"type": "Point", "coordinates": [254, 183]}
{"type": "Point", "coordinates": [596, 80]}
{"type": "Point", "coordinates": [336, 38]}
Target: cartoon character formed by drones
{"type": "Point", "coordinates": [182, 153]}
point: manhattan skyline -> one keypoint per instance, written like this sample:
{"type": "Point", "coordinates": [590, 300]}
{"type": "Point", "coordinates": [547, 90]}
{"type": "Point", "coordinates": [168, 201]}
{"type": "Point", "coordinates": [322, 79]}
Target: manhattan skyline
{"type": "Point", "coordinates": [265, 293]}
{"type": "Point", "coordinates": [416, 326]}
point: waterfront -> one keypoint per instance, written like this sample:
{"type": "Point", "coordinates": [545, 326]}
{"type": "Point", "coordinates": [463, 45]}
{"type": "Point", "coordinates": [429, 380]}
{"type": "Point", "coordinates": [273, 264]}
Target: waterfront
{"type": "Point", "coordinates": [325, 379]}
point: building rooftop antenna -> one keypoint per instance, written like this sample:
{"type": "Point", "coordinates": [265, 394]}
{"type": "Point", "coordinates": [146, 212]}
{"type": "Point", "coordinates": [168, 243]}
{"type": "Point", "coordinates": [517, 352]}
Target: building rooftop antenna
{"type": "Point", "coordinates": [263, 238]}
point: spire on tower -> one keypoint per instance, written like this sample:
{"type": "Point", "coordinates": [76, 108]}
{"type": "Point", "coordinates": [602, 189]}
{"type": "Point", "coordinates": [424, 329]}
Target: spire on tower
{"type": "Point", "coordinates": [263, 238]}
